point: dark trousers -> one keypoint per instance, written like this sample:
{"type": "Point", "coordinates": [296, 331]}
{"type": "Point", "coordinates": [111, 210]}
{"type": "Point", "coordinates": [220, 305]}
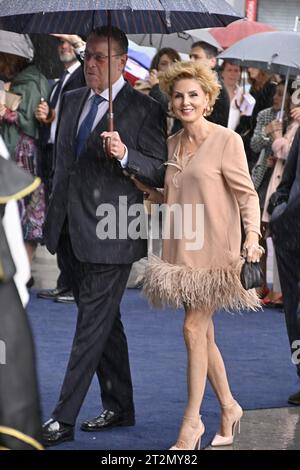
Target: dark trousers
{"type": "Point", "coordinates": [99, 344]}
{"type": "Point", "coordinates": [63, 281]}
{"type": "Point", "coordinates": [289, 274]}
{"type": "Point", "coordinates": [46, 172]}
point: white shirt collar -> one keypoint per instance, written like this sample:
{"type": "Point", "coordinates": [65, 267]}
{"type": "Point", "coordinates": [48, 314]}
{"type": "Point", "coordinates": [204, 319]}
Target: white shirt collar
{"type": "Point", "coordinates": [73, 67]}
{"type": "Point", "coordinates": [116, 87]}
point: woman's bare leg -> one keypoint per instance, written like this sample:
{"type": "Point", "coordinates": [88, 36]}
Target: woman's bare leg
{"type": "Point", "coordinates": [30, 248]}
{"type": "Point", "coordinates": [219, 382]}
{"type": "Point", "coordinates": [195, 334]}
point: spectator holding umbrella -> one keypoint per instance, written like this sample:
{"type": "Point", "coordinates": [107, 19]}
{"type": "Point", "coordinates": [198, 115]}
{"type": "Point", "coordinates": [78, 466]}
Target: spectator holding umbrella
{"type": "Point", "coordinates": [20, 128]}
{"type": "Point", "coordinates": [207, 54]}
{"type": "Point", "coordinates": [262, 89]}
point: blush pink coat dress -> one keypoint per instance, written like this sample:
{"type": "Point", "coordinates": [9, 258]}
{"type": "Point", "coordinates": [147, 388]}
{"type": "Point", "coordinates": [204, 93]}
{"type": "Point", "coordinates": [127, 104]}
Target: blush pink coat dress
{"type": "Point", "coordinates": [217, 177]}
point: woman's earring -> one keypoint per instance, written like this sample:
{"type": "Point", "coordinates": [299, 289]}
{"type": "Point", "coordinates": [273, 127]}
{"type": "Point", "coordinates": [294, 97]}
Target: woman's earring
{"type": "Point", "coordinates": [207, 111]}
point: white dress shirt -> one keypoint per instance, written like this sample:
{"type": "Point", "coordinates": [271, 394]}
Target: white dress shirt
{"type": "Point", "coordinates": [103, 108]}
{"type": "Point", "coordinates": [70, 70]}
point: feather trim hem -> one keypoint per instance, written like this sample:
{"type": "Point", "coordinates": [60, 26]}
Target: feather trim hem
{"type": "Point", "coordinates": [198, 288]}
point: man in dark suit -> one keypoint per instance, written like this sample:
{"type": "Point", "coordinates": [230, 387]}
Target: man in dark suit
{"type": "Point", "coordinates": [207, 54]}
{"type": "Point", "coordinates": [87, 185]}
{"type": "Point", "coordinates": [285, 228]}
{"type": "Point", "coordinates": [47, 115]}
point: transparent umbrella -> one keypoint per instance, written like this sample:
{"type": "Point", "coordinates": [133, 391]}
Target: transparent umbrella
{"type": "Point", "coordinates": [181, 41]}
{"type": "Point", "coordinates": [276, 52]}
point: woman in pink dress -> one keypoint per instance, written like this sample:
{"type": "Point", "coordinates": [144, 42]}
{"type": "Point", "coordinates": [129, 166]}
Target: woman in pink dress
{"type": "Point", "coordinates": [207, 176]}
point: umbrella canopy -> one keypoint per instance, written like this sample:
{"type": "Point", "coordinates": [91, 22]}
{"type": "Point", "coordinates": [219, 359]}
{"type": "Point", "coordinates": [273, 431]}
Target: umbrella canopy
{"type": "Point", "coordinates": [239, 30]}
{"type": "Point", "coordinates": [181, 42]}
{"type": "Point", "coordinates": [132, 16]}
{"type": "Point", "coordinates": [276, 52]}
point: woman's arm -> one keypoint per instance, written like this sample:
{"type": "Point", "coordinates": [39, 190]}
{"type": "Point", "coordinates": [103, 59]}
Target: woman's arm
{"type": "Point", "coordinates": [236, 173]}
{"type": "Point", "coordinates": [260, 139]}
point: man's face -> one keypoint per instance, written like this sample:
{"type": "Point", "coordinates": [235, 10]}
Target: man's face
{"type": "Point", "coordinates": [231, 74]}
{"type": "Point", "coordinates": [66, 52]}
{"type": "Point", "coordinates": [96, 63]}
{"type": "Point", "coordinates": [199, 55]}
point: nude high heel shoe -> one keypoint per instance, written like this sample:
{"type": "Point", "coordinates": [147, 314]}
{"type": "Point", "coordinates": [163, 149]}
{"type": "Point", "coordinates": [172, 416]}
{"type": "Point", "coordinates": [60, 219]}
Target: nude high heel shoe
{"type": "Point", "coordinates": [195, 442]}
{"type": "Point", "coordinates": [237, 414]}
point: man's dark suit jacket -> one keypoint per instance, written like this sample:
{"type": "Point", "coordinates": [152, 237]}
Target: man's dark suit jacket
{"type": "Point", "coordinates": [81, 185]}
{"type": "Point", "coordinates": [76, 80]}
{"type": "Point", "coordinates": [285, 220]}
{"type": "Point", "coordinates": [220, 112]}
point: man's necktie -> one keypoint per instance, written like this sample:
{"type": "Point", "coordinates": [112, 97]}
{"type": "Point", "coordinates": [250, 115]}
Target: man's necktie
{"type": "Point", "coordinates": [55, 97]}
{"type": "Point", "coordinates": [87, 124]}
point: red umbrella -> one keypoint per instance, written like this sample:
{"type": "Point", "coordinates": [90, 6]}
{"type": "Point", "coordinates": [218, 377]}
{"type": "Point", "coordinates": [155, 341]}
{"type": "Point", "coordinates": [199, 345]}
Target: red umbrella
{"type": "Point", "coordinates": [240, 29]}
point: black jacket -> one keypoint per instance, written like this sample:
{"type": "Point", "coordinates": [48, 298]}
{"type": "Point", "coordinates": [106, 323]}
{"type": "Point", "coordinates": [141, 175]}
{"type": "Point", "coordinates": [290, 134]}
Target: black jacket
{"type": "Point", "coordinates": [75, 81]}
{"type": "Point", "coordinates": [81, 186]}
{"type": "Point", "coordinates": [285, 219]}
{"type": "Point", "coordinates": [220, 112]}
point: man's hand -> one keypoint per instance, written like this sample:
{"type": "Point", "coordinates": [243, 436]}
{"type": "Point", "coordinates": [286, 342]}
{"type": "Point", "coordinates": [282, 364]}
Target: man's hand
{"type": "Point", "coordinates": [73, 39]}
{"type": "Point", "coordinates": [116, 146]}
{"type": "Point", "coordinates": [42, 111]}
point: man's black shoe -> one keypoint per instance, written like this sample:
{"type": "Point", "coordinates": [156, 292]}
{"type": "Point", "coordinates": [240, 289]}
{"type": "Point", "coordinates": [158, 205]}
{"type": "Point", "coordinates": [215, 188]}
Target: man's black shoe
{"type": "Point", "coordinates": [66, 298]}
{"type": "Point", "coordinates": [108, 419]}
{"type": "Point", "coordinates": [51, 294]}
{"type": "Point", "coordinates": [55, 433]}
{"type": "Point", "coordinates": [294, 399]}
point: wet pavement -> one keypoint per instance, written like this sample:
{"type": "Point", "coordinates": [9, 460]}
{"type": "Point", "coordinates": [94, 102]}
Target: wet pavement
{"type": "Point", "coordinates": [264, 429]}
{"type": "Point", "coordinates": [269, 429]}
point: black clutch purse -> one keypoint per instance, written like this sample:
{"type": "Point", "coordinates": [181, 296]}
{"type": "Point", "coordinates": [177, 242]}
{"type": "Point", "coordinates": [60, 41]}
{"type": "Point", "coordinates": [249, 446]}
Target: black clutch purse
{"type": "Point", "coordinates": [274, 201]}
{"type": "Point", "coordinates": [251, 275]}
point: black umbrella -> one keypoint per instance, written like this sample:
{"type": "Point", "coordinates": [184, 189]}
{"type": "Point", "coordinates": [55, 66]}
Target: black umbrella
{"type": "Point", "coordinates": [46, 56]}
{"type": "Point", "coordinates": [131, 16]}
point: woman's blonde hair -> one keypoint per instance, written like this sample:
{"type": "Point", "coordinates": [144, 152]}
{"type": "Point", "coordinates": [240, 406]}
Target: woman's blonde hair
{"type": "Point", "coordinates": [207, 79]}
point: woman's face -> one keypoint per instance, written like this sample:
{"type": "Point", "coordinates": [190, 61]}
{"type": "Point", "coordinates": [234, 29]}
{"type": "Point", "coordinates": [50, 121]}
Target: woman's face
{"type": "Point", "coordinates": [277, 98]}
{"type": "Point", "coordinates": [188, 100]}
{"type": "Point", "coordinates": [253, 72]}
{"type": "Point", "coordinates": [164, 63]}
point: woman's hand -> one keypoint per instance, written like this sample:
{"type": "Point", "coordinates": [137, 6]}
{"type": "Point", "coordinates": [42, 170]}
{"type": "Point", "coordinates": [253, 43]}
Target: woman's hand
{"type": "Point", "coordinates": [3, 109]}
{"type": "Point", "coordinates": [152, 193]}
{"type": "Point", "coordinates": [274, 127]}
{"type": "Point", "coordinates": [252, 251]}
{"type": "Point", "coordinates": [41, 112]}
{"type": "Point", "coordinates": [295, 113]}
{"type": "Point", "coordinates": [153, 79]}
{"type": "Point", "coordinates": [271, 161]}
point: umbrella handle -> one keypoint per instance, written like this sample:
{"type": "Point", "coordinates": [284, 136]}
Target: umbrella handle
{"type": "Point", "coordinates": [284, 95]}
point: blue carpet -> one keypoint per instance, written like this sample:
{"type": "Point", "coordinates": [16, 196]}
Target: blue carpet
{"type": "Point", "coordinates": [254, 347]}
